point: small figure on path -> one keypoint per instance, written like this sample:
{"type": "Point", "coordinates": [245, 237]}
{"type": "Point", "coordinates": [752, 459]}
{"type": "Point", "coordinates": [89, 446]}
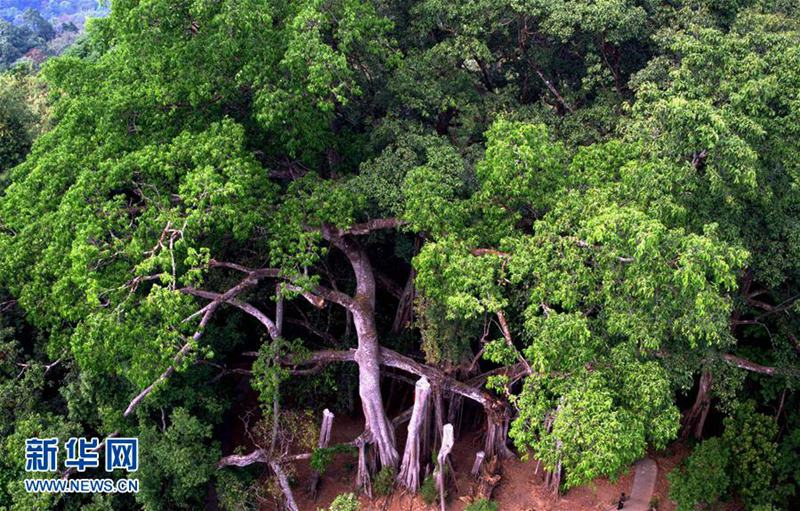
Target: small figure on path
{"type": "Point", "coordinates": [622, 499]}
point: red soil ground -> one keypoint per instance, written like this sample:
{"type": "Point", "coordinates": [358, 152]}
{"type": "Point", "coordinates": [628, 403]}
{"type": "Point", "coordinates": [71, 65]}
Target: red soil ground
{"type": "Point", "coordinates": [519, 489]}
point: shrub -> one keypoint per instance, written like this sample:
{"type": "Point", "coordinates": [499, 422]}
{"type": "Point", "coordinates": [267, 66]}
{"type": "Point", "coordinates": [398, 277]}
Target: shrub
{"type": "Point", "coordinates": [323, 456]}
{"type": "Point", "coordinates": [750, 438]}
{"type": "Point", "coordinates": [703, 478]}
{"type": "Point", "coordinates": [428, 491]}
{"type": "Point", "coordinates": [233, 491]}
{"type": "Point", "coordinates": [345, 502]}
{"type": "Point", "coordinates": [482, 505]}
{"type": "Point", "coordinates": [384, 481]}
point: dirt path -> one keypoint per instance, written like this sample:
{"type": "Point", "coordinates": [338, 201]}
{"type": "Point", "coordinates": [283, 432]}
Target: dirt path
{"type": "Point", "coordinates": [644, 482]}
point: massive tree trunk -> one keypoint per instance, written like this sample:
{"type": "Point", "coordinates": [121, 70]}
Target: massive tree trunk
{"type": "Point", "coordinates": [695, 418]}
{"type": "Point", "coordinates": [368, 353]}
{"type": "Point", "coordinates": [442, 462]}
{"type": "Point", "coordinates": [367, 357]}
{"type": "Point", "coordinates": [497, 433]}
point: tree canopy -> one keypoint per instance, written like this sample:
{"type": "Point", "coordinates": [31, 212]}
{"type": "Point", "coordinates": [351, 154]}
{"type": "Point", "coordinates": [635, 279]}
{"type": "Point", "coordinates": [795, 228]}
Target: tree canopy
{"type": "Point", "coordinates": [576, 220]}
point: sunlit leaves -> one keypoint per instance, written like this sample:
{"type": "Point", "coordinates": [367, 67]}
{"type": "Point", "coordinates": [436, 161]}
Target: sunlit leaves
{"type": "Point", "coordinates": [434, 192]}
{"type": "Point", "coordinates": [465, 284]}
{"type": "Point", "coordinates": [561, 342]}
{"type": "Point", "coordinates": [610, 273]}
{"type": "Point", "coordinates": [522, 168]}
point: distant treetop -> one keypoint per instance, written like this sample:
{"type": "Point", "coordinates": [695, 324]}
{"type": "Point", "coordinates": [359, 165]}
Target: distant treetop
{"type": "Point", "coordinates": [52, 9]}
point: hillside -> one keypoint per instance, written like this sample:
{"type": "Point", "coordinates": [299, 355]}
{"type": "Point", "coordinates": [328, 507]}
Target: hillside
{"type": "Point", "coordinates": [35, 31]}
{"type": "Point", "coordinates": [53, 10]}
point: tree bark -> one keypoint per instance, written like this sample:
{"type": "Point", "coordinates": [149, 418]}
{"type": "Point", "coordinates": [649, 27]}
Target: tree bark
{"type": "Point", "coordinates": [363, 480]}
{"type": "Point", "coordinates": [454, 413]}
{"type": "Point", "coordinates": [487, 478]}
{"type": "Point", "coordinates": [476, 466]}
{"type": "Point", "coordinates": [496, 434]}
{"type": "Point", "coordinates": [441, 459]}
{"type": "Point", "coordinates": [437, 421]}
{"type": "Point", "coordinates": [409, 475]}
{"type": "Point", "coordinates": [748, 365]}
{"type": "Point", "coordinates": [495, 409]}
{"type": "Point", "coordinates": [324, 440]}
{"type": "Point", "coordinates": [283, 481]}
{"type": "Point", "coordinates": [367, 354]}
{"type": "Point", "coordinates": [403, 315]}
{"type": "Point", "coordinates": [367, 357]}
{"type": "Point", "coordinates": [695, 418]}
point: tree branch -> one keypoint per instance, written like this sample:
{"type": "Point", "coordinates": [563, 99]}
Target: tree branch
{"type": "Point", "coordinates": [207, 311]}
{"type": "Point", "coordinates": [501, 317]}
{"type": "Point", "coordinates": [395, 360]}
{"type": "Point", "coordinates": [244, 306]}
{"type": "Point", "coordinates": [243, 460]}
{"type": "Point", "coordinates": [371, 226]}
{"type": "Point", "coordinates": [748, 365]}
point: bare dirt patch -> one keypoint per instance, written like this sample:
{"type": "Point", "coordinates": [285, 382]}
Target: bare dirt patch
{"type": "Point", "coordinates": [520, 488]}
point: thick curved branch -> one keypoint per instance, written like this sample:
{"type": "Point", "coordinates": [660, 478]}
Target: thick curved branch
{"type": "Point", "coordinates": [320, 294]}
{"type": "Point", "coordinates": [371, 226]}
{"type": "Point", "coordinates": [748, 365]}
{"type": "Point", "coordinates": [207, 311]}
{"type": "Point", "coordinates": [244, 306]}
{"type": "Point", "coordinates": [244, 460]}
{"type": "Point", "coordinates": [395, 360]}
{"type": "Point", "coordinates": [316, 296]}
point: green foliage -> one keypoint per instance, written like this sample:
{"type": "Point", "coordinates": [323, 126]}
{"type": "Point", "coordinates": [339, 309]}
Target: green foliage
{"type": "Point", "coordinates": [15, 139]}
{"type": "Point", "coordinates": [787, 467]}
{"type": "Point", "coordinates": [601, 279]}
{"type": "Point", "coordinates": [21, 117]}
{"type": "Point", "coordinates": [704, 477]}
{"type": "Point", "coordinates": [175, 463]}
{"type": "Point", "coordinates": [750, 437]}
{"type": "Point", "coordinates": [322, 457]}
{"type": "Point", "coordinates": [428, 491]}
{"type": "Point", "coordinates": [267, 372]}
{"type": "Point", "coordinates": [731, 124]}
{"type": "Point", "coordinates": [619, 179]}
{"type": "Point", "coordinates": [383, 483]}
{"type": "Point", "coordinates": [743, 461]}
{"type": "Point", "coordinates": [522, 168]}
{"type": "Point", "coordinates": [234, 490]}
{"type": "Point", "coordinates": [444, 341]}
{"type": "Point", "coordinates": [482, 505]}
{"type": "Point", "coordinates": [345, 502]}
{"type": "Point", "coordinates": [12, 459]}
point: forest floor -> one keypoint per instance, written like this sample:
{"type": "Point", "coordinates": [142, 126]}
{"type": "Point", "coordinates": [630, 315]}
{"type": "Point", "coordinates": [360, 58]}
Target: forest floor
{"type": "Point", "coordinates": [519, 489]}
